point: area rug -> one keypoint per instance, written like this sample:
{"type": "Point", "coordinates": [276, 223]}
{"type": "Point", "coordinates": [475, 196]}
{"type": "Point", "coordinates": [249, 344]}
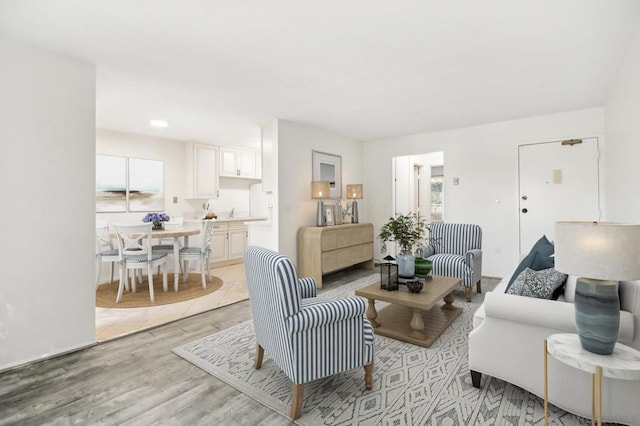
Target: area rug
{"type": "Point", "coordinates": [412, 385]}
{"type": "Point", "coordinates": [106, 293]}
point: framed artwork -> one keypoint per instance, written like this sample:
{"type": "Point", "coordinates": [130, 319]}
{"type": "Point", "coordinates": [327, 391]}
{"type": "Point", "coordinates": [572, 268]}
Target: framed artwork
{"type": "Point", "coordinates": [111, 184]}
{"type": "Point", "coordinates": [146, 185]}
{"type": "Point", "coordinates": [327, 167]}
{"type": "Point", "coordinates": [330, 215]}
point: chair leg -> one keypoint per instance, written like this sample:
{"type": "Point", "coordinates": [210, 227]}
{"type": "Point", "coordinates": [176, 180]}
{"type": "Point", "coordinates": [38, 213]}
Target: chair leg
{"type": "Point", "coordinates": [259, 355]}
{"type": "Point", "coordinates": [368, 376]}
{"type": "Point", "coordinates": [123, 280]}
{"type": "Point", "coordinates": [209, 269]}
{"type": "Point", "coordinates": [134, 283]}
{"type": "Point", "coordinates": [468, 291]}
{"type": "Point", "coordinates": [479, 286]}
{"type": "Point", "coordinates": [296, 404]}
{"type": "Point", "coordinates": [113, 266]}
{"type": "Point", "coordinates": [99, 270]}
{"type": "Point", "coordinates": [186, 271]}
{"type": "Point", "coordinates": [165, 282]}
{"type": "Point", "coordinates": [202, 275]}
{"type": "Point", "coordinates": [150, 273]}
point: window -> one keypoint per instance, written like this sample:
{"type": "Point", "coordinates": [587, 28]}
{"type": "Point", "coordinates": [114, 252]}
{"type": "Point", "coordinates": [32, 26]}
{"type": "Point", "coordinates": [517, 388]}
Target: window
{"type": "Point", "coordinates": [437, 179]}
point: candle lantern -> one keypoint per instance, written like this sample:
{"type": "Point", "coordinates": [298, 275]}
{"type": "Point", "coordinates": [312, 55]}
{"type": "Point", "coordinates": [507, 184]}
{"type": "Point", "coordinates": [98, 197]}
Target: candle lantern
{"type": "Point", "coordinates": [388, 274]}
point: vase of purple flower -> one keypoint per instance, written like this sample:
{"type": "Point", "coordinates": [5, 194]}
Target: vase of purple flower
{"type": "Point", "coordinates": [158, 220]}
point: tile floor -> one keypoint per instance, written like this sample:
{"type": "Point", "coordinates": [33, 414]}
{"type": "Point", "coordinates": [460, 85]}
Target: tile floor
{"type": "Point", "coordinates": [112, 323]}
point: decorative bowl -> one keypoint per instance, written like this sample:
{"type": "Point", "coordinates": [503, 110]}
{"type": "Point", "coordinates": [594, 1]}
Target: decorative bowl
{"type": "Point", "coordinates": [414, 286]}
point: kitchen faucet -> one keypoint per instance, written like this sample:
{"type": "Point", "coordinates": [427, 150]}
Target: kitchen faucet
{"type": "Point", "coordinates": [231, 212]}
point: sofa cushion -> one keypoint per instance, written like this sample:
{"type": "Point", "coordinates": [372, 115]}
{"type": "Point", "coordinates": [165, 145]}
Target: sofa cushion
{"type": "Point", "coordinates": [540, 284]}
{"type": "Point", "coordinates": [540, 257]}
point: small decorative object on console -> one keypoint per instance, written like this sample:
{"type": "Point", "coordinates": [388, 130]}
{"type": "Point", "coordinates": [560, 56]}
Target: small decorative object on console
{"type": "Point", "coordinates": [157, 219]}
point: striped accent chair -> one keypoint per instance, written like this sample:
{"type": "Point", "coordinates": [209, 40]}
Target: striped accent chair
{"type": "Point", "coordinates": [456, 251]}
{"type": "Point", "coordinates": [308, 337]}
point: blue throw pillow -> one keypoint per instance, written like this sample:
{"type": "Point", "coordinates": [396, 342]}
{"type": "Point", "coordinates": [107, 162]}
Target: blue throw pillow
{"type": "Point", "coordinates": [540, 257]}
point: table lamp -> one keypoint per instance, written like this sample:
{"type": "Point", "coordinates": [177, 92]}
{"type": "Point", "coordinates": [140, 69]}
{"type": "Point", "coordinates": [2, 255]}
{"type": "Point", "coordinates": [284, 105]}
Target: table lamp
{"type": "Point", "coordinates": [600, 254]}
{"type": "Point", "coordinates": [354, 191]}
{"type": "Point", "coordinates": [320, 191]}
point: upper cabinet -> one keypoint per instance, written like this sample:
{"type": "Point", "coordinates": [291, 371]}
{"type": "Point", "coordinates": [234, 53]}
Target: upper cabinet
{"type": "Point", "coordinates": [205, 171]}
{"type": "Point", "coordinates": [238, 163]}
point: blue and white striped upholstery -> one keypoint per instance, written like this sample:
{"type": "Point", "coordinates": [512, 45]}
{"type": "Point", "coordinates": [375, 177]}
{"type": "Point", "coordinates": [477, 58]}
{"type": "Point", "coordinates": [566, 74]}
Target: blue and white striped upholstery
{"type": "Point", "coordinates": [308, 337]}
{"type": "Point", "coordinates": [456, 251]}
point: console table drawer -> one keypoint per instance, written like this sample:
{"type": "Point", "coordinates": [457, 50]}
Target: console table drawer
{"type": "Point", "coordinates": [327, 249]}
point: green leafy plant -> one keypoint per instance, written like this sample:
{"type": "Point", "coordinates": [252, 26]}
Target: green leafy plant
{"type": "Point", "coordinates": [406, 230]}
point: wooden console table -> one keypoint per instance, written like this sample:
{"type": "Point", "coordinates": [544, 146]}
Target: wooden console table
{"type": "Point", "coordinates": [326, 249]}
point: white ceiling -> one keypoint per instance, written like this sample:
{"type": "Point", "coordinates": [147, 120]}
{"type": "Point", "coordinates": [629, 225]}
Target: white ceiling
{"type": "Point", "coordinates": [366, 69]}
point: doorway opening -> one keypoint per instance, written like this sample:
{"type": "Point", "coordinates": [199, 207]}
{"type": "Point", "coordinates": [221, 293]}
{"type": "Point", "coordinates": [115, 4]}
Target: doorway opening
{"type": "Point", "coordinates": [418, 185]}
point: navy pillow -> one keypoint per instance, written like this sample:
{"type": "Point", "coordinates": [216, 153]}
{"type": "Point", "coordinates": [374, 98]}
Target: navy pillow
{"type": "Point", "coordinates": [538, 258]}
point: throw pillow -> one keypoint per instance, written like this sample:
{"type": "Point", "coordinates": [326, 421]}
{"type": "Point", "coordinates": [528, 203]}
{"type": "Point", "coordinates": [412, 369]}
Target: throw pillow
{"type": "Point", "coordinates": [518, 284]}
{"type": "Point", "coordinates": [539, 284]}
{"type": "Point", "coordinates": [540, 257]}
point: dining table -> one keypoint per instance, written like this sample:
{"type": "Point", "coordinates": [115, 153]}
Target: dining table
{"type": "Point", "coordinates": [175, 232]}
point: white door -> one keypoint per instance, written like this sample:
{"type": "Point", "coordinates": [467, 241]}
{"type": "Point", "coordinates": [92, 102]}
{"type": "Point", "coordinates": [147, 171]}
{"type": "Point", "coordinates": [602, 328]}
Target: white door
{"type": "Point", "coordinates": [402, 185]}
{"type": "Point", "coordinates": [219, 247]}
{"type": "Point", "coordinates": [558, 182]}
{"type": "Point", "coordinates": [237, 243]}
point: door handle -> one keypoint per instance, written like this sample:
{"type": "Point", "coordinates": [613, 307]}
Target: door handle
{"type": "Point", "coordinates": [524, 197]}
{"type": "Point", "coordinates": [524, 210]}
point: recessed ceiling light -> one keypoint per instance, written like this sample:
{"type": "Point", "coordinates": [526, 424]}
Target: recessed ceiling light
{"type": "Point", "coordinates": [158, 123]}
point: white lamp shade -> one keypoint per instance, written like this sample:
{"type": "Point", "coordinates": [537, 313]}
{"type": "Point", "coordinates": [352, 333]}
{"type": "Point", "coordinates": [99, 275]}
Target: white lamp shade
{"type": "Point", "coordinates": [320, 189]}
{"type": "Point", "coordinates": [598, 250]}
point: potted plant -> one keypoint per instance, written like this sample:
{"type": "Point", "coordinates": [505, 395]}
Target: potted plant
{"type": "Point", "coordinates": [406, 230]}
{"type": "Point", "coordinates": [157, 219]}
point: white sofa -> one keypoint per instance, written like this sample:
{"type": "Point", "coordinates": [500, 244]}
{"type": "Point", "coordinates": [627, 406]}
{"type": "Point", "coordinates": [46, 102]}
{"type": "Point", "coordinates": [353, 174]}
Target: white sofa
{"type": "Point", "coordinates": [507, 342]}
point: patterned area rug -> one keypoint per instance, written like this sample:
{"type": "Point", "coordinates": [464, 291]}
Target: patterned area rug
{"type": "Point", "coordinates": [412, 385]}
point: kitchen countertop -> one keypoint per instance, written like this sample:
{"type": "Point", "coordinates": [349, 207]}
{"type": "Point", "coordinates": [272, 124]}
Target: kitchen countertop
{"type": "Point", "coordinates": [230, 219]}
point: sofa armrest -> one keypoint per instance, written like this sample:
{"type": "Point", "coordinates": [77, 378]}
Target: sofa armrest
{"type": "Point", "coordinates": [529, 310]}
{"type": "Point", "coordinates": [551, 314]}
{"type": "Point", "coordinates": [307, 287]}
{"type": "Point", "coordinates": [325, 311]}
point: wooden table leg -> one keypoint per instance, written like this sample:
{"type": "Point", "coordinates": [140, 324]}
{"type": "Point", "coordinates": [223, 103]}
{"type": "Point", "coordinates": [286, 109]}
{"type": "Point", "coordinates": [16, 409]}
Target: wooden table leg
{"type": "Point", "coordinates": [417, 325]}
{"type": "Point", "coordinates": [448, 302]}
{"type": "Point", "coordinates": [372, 314]}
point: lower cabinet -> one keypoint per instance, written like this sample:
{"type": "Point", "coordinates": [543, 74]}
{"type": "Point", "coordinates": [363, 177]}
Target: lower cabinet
{"type": "Point", "coordinates": [228, 243]}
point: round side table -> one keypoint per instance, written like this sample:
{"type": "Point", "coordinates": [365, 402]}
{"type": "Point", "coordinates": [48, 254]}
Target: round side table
{"type": "Point", "coordinates": [623, 363]}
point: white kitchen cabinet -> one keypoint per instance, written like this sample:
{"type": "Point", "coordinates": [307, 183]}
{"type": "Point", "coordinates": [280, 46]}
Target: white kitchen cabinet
{"type": "Point", "coordinates": [228, 242]}
{"type": "Point", "coordinates": [238, 163]}
{"type": "Point", "coordinates": [237, 242]}
{"type": "Point", "coordinates": [205, 171]}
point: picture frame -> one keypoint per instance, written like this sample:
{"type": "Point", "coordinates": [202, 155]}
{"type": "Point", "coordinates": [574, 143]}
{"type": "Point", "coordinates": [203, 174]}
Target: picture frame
{"type": "Point", "coordinates": [146, 185]}
{"type": "Point", "coordinates": [111, 183]}
{"type": "Point", "coordinates": [327, 167]}
{"type": "Point", "coordinates": [329, 213]}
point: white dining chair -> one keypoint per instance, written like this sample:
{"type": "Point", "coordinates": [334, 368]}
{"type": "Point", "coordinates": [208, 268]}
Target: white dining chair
{"type": "Point", "coordinates": [105, 252]}
{"type": "Point", "coordinates": [134, 252]}
{"type": "Point", "coordinates": [202, 253]}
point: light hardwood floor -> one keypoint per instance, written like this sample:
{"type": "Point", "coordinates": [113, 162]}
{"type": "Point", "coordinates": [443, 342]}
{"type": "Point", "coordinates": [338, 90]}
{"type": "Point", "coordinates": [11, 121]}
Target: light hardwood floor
{"type": "Point", "coordinates": [137, 380]}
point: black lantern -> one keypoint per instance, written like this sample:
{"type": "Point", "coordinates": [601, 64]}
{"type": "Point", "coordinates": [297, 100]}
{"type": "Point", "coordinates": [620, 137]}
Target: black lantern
{"type": "Point", "coordinates": [389, 274]}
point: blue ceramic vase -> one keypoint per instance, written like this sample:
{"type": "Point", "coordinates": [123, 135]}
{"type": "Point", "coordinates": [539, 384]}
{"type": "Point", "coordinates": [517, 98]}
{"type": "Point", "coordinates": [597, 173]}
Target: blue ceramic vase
{"type": "Point", "coordinates": [597, 311]}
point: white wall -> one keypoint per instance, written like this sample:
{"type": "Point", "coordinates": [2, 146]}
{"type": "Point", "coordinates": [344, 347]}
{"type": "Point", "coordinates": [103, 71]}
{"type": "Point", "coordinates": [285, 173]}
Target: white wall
{"type": "Point", "coordinates": [47, 166]}
{"type": "Point", "coordinates": [296, 208]}
{"type": "Point", "coordinates": [485, 159]}
{"type": "Point", "coordinates": [623, 140]}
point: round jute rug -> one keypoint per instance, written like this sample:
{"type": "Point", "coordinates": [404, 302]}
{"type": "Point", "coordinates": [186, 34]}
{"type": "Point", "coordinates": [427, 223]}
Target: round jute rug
{"type": "Point", "coordinates": [106, 293]}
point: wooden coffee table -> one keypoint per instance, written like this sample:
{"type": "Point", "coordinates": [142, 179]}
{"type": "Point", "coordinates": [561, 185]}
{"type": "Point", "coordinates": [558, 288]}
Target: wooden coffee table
{"type": "Point", "coordinates": [413, 317]}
